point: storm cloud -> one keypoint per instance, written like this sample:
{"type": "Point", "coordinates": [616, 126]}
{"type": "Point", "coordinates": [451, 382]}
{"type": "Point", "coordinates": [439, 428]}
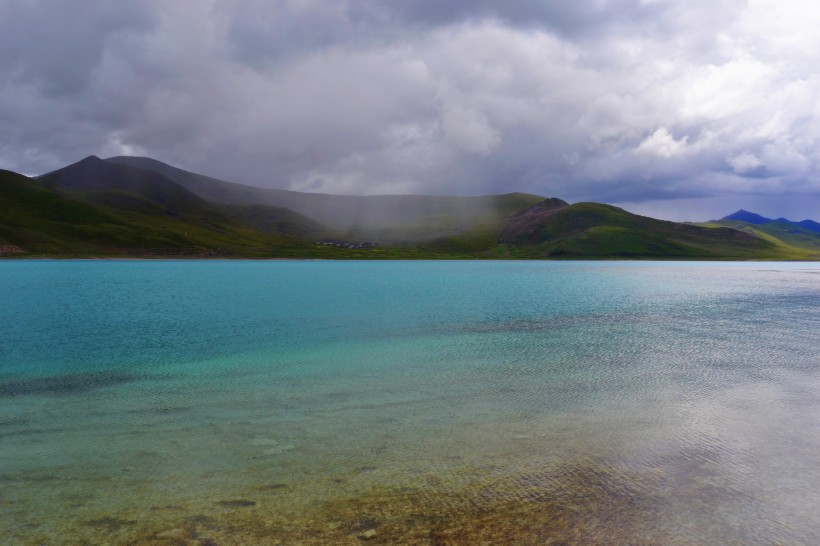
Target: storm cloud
{"type": "Point", "coordinates": [682, 110]}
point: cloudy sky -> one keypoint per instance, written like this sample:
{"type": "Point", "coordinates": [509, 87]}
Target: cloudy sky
{"type": "Point", "coordinates": [676, 109]}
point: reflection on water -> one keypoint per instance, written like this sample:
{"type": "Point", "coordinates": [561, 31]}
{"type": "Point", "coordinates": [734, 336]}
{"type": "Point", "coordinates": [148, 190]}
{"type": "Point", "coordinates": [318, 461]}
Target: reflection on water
{"type": "Point", "coordinates": [665, 403]}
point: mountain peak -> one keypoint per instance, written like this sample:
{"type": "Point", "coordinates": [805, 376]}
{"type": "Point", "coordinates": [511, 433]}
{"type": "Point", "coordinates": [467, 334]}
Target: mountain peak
{"type": "Point", "coordinates": [90, 160]}
{"type": "Point", "coordinates": [809, 224]}
{"type": "Point", "coordinates": [748, 217]}
{"type": "Point", "coordinates": [93, 174]}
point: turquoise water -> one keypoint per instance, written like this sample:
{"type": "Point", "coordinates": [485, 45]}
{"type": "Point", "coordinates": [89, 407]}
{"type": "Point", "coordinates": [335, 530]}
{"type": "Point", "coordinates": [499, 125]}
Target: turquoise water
{"type": "Point", "coordinates": [267, 402]}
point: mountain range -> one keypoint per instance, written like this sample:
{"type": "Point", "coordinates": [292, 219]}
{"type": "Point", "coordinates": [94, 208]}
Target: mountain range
{"type": "Point", "coordinates": [135, 206]}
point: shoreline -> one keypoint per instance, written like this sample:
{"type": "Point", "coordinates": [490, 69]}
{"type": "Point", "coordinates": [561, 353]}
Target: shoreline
{"type": "Point", "coordinates": [404, 259]}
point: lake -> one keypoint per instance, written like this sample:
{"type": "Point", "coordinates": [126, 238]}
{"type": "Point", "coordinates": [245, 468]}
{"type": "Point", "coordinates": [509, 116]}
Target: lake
{"type": "Point", "coordinates": [318, 402]}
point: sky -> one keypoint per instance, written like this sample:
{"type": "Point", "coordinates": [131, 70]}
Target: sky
{"type": "Point", "coordinates": [684, 110]}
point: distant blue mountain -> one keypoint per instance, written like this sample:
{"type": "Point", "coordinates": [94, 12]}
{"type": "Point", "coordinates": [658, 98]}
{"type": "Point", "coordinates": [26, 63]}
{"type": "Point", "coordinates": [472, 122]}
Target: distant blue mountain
{"type": "Point", "coordinates": [756, 219]}
{"type": "Point", "coordinates": [809, 224]}
{"type": "Point", "coordinates": [748, 217]}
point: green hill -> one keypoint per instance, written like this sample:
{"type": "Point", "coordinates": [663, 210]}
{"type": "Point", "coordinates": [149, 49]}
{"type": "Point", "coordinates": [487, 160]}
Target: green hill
{"type": "Point", "coordinates": [794, 240]}
{"type": "Point", "coordinates": [36, 219]}
{"type": "Point", "coordinates": [553, 229]}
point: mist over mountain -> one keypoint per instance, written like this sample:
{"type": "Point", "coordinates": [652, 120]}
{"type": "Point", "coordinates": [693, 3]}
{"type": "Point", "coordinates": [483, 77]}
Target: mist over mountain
{"type": "Point", "coordinates": [387, 217]}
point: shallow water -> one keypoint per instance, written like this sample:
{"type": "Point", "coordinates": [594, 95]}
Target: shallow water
{"type": "Point", "coordinates": [246, 402]}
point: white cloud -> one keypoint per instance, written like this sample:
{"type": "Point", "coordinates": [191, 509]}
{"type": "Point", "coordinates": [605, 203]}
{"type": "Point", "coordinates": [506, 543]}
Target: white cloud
{"type": "Point", "coordinates": [744, 162]}
{"type": "Point", "coordinates": [662, 144]}
{"type": "Point", "coordinates": [629, 101]}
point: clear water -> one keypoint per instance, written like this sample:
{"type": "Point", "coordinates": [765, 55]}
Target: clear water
{"type": "Point", "coordinates": [287, 402]}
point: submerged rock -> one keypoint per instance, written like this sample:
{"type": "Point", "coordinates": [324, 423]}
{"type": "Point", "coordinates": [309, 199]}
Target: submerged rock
{"type": "Point", "coordinates": [237, 503]}
{"type": "Point", "coordinates": [264, 442]}
{"type": "Point", "coordinates": [273, 487]}
{"type": "Point", "coordinates": [274, 447]}
{"type": "Point", "coordinates": [370, 533]}
{"type": "Point", "coordinates": [279, 449]}
{"type": "Point", "coordinates": [175, 533]}
{"type": "Point", "coordinates": [109, 523]}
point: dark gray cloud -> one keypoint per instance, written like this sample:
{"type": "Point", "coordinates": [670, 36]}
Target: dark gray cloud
{"type": "Point", "coordinates": [54, 47]}
{"type": "Point", "coordinates": [684, 110]}
{"type": "Point", "coordinates": [572, 19]}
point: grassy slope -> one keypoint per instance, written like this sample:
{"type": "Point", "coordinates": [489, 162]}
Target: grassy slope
{"type": "Point", "coordinates": [792, 240]}
{"type": "Point", "coordinates": [40, 220]}
{"type": "Point", "coordinates": [596, 230]}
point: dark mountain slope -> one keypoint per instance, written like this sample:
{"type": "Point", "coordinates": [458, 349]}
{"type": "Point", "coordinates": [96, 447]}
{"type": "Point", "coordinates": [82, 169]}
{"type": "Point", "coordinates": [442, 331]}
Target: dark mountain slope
{"type": "Point", "coordinates": [524, 227]}
{"type": "Point", "coordinates": [206, 187]}
{"type": "Point", "coordinates": [130, 189]}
